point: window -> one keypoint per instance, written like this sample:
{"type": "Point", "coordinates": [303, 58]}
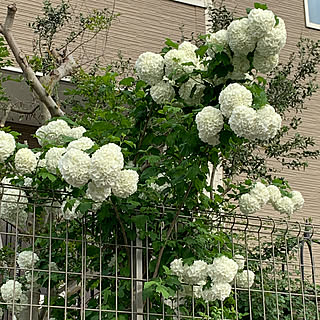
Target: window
{"type": "Point", "coordinates": [198, 3]}
{"type": "Point", "coordinates": [312, 11]}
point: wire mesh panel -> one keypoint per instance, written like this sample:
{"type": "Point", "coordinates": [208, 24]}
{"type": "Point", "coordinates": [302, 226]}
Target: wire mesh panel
{"type": "Point", "coordinates": [86, 269]}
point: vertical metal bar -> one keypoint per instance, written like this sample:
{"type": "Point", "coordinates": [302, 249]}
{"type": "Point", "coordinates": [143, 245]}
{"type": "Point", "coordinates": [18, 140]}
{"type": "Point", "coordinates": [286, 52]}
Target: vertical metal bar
{"type": "Point", "coordinates": [274, 268]}
{"type": "Point", "coordinates": [66, 275]}
{"type": "Point", "coordinates": [50, 260]}
{"type": "Point", "coordinates": [139, 277]}
{"type": "Point", "coordinates": [288, 272]}
{"type": "Point", "coordinates": [261, 271]}
{"type": "Point", "coordinates": [100, 273]}
{"type": "Point", "coordinates": [116, 245]}
{"type": "Point", "coordinates": [147, 271]}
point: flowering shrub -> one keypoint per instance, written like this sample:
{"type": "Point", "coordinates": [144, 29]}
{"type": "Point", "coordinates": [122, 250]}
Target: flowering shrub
{"type": "Point", "coordinates": [148, 141]}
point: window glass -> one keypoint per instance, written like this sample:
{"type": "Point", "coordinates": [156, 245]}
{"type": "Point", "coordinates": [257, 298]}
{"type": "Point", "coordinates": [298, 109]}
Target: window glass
{"type": "Point", "coordinates": [312, 11]}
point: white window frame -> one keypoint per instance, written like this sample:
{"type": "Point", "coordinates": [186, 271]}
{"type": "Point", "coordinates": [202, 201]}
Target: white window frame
{"type": "Point", "coordinates": [197, 3]}
{"type": "Point", "coordinates": [309, 24]}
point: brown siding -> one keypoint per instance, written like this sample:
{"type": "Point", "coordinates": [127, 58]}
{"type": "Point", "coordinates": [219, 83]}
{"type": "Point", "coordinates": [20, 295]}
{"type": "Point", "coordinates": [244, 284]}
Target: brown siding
{"type": "Point", "coordinates": [142, 26]}
{"type": "Point", "coordinates": [307, 182]}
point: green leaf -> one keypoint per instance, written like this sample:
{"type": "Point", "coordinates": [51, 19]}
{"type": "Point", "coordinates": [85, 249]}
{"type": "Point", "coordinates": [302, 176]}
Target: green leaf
{"type": "Point", "coordinates": [248, 10]}
{"type": "Point", "coordinates": [171, 44]}
{"type": "Point", "coordinates": [163, 290]}
{"type": "Point", "coordinates": [277, 20]}
{"type": "Point", "coordinates": [201, 51]}
{"type": "Point", "coordinates": [85, 206]}
{"type": "Point", "coordinates": [140, 221]}
{"type": "Point", "coordinates": [47, 175]}
{"type": "Point", "coordinates": [127, 81]}
{"type": "Point", "coordinates": [258, 5]}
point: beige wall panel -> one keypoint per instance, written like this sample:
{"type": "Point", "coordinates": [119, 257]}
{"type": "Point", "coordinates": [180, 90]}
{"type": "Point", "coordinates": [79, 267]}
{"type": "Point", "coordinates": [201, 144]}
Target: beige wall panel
{"type": "Point", "coordinates": [308, 181]}
{"type": "Point", "coordinates": [142, 26]}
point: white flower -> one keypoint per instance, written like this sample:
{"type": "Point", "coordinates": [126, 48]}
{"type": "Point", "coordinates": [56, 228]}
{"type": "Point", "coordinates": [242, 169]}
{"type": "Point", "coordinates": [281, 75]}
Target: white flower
{"type": "Point", "coordinates": [261, 193]}
{"type": "Point", "coordinates": [192, 97]}
{"type": "Point", "coordinates": [77, 132]}
{"type": "Point", "coordinates": [221, 290]}
{"type": "Point", "coordinates": [212, 140]}
{"type": "Point", "coordinates": [106, 164]}
{"type": "Point", "coordinates": [149, 67]}
{"type": "Point", "coordinates": [249, 204]}
{"type": "Point", "coordinates": [162, 92]}
{"type": "Point", "coordinates": [222, 269]}
{"type": "Point", "coordinates": [27, 259]}
{"type": "Point", "coordinates": [83, 144]}
{"type": "Point", "coordinates": [97, 193]}
{"type": "Point", "coordinates": [195, 273]}
{"type": "Point", "coordinates": [297, 200]}
{"type": "Point", "coordinates": [176, 266]}
{"type": "Point", "coordinates": [126, 184]}
{"type": "Point", "coordinates": [53, 157]}
{"type": "Point", "coordinates": [239, 38]}
{"type": "Point", "coordinates": [284, 205]}
{"type": "Point", "coordinates": [41, 163]}
{"type": "Point", "coordinates": [25, 161]}
{"type": "Point", "coordinates": [265, 64]}
{"type": "Point", "coordinates": [232, 96]}
{"type": "Point", "coordinates": [7, 145]}
{"type": "Point", "coordinates": [174, 60]}
{"type": "Point", "coordinates": [53, 132]}
{"type": "Point", "coordinates": [215, 40]}
{"type": "Point", "coordinates": [273, 41]}
{"type": "Point", "coordinates": [241, 65]}
{"type": "Point", "coordinates": [188, 48]}
{"type": "Point", "coordinates": [74, 167]}
{"type": "Point", "coordinates": [27, 182]}
{"type": "Point", "coordinates": [11, 291]}
{"type": "Point", "coordinates": [261, 22]}
{"type": "Point", "coordinates": [243, 122]}
{"type": "Point", "coordinates": [159, 188]}
{"type": "Point", "coordinates": [209, 123]}
{"type": "Point", "coordinates": [70, 214]}
{"type": "Point", "coordinates": [240, 260]}
{"type": "Point", "coordinates": [14, 202]}
{"type": "Point", "coordinates": [268, 123]}
{"type": "Point", "coordinates": [245, 279]}
{"type": "Point", "coordinates": [274, 193]}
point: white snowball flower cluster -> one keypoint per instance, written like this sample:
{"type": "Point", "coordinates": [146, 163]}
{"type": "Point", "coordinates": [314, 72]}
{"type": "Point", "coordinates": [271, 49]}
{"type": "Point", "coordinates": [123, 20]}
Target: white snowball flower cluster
{"type": "Point", "coordinates": [7, 145]}
{"type": "Point", "coordinates": [273, 41]}
{"type": "Point", "coordinates": [74, 167]}
{"type": "Point", "coordinates": [14, 202]}
{"type": "Point", "coordinates": [190, 95]}
{"type": "Point", "coordinates": [126, 183]}
{"type": "Point", "coordinates": [175, 59]}
{"type": "Point", "coordinates": [261, 22]}
{"type": "Point", "coordinates": [245, 279]}
{"type": "Point", "coordinates": [162, 92]}
{"type": "Point", "coordinates": [53, 157]}
{"type": "Point", "coordinates": [258, 33]}
{"type": "Point", "coordinates": [240, 260]}
{"type": "Point", "coordinates": [216, 41]}
{"type": "Point", "coordinates": [83, 143]}
{"type": "Point", "coordinates": [195, 273]}
{"type": "Point", "coordinates": [260, 195]}
{"type": "Point", "coordinates": [252, 202]}
{"type": "Point", "coordinates": [149, 67]}
{"type": "Point", "coordinates": [27, 259]}
{"type": "Point", "coordinates": [70, 214]}
{"type": "Point", "coordinates": [240, 39]}
{"type": "Point", "coordinates": [98, 194]}
{"type": "Point", "coordinates": [251, 124]}
{"type": "Point", "coordinates": [77, 132]}
{"type": "Point", "coordinates": [106, 164]}
{"type": "Point", "coordinates": [177, 267]}
{"type": "Point", "coordinates": [53, 132]}
{"type": "Point", "coordinates": [209, 123]}
{"type": "Point", "coordinates": [265, 64]}
{"type": "Point", "coordinates": [234, 95]}
{"type": "Point", "coordinates": [25, 161]}
{"type": "Point", "coordinates": [222, 270]}
{"type": "Point", "coordinates": [11, 291]}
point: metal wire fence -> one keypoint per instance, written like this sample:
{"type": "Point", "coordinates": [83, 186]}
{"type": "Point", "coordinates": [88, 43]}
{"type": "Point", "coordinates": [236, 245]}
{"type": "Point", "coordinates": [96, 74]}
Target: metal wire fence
{"type": "Point", "coordinates": [85, 271]}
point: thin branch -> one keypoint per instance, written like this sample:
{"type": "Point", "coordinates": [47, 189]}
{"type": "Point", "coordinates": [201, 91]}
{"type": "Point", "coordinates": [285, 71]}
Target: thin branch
{"type": "Point", "coordinates": [214, 168]}
{"type": "Point", "coordinates": [28, 72]}
{"type": "Point", "coordinates": [156, 271]}
{"type": "Point", "coordinates": [123, 230]}
{"type": "Point", "coordinates": [5, 116]}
